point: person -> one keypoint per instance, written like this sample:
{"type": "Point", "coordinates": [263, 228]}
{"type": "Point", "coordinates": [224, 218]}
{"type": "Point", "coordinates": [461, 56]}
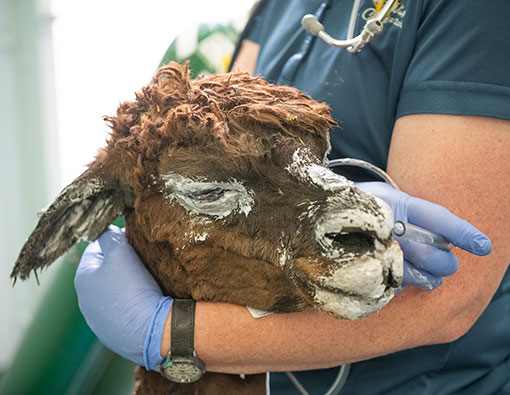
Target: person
{"type": "Point", "coordinates": [428, 100]}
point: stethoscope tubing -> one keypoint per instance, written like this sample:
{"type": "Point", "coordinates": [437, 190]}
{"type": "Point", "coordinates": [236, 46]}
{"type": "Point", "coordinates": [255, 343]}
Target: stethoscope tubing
{"type": "Point", "coordinates": [372, 28]}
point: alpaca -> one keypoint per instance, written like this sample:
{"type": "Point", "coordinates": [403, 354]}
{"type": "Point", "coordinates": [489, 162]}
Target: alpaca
{"type": "Point", "coordinates": [223, 184]}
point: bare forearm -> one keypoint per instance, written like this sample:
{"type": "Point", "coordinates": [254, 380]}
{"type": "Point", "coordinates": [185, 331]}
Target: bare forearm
{"type": "Point", "coordinates": [230, 340]}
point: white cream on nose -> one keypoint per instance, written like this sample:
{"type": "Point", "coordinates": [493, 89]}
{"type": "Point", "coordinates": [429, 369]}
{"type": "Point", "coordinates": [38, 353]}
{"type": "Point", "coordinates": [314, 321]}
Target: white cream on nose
{"type": "Point", "coordinates": [355, 285]}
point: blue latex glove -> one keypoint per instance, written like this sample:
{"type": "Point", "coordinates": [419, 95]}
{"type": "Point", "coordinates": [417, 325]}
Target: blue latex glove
{"type": "Point", "coordinates": [121, 302]}
{"type": "Point", "coordinates": [424, 265]}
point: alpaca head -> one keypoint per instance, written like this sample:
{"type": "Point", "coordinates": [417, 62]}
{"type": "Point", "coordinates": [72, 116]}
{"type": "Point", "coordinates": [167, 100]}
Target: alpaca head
{"type": "Point", "coordinates": [227, 198]}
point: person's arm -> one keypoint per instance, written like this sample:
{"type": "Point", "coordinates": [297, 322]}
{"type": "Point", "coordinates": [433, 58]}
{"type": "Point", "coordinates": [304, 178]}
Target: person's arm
{"type": "Point", "coordinates": [459, 162]}
{"type": "Point", "coordinates": [247, 57]}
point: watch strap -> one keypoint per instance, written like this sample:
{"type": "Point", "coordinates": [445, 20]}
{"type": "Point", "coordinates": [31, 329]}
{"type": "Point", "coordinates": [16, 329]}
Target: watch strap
{"type": "Point", "coordinates": [182, 328]}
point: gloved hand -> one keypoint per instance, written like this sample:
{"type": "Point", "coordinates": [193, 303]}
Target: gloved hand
{"type": "Point", "coordinates": [424, 265]}
{"type": "Point", "coordinates": [121, 302]}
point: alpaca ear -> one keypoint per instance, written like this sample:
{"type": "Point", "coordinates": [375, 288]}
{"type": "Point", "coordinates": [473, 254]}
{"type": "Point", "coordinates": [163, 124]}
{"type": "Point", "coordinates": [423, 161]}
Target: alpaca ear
{"type": "Point", "coordinates": [85, 208]}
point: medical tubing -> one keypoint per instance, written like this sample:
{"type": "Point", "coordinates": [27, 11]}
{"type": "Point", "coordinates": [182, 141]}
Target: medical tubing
{"type": "Point", "coordinates": [311, 24]}
{"type": "Point", "coordinates": [337, 43]}
{"type": "Point", "coordinates": [364, 165]}
{"type": "Point", "coordinates": [373, 27]}
{"type": "Point", "coordinates": [352, 20]}
{"type": "Point", "coordinates": [341, 379]}
{"type": "Point", "coordinates": [420, 235]}
{"type": "Point", "coordinates": [386, 8]}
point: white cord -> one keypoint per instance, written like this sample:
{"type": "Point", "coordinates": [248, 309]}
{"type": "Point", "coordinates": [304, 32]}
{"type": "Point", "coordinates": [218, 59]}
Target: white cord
{"type": "Point", "coordinates": [386, 8]}
{"type": "Point", "coordinates": [340, 380]}
{"type": "Point", "coordinates": [336, 387]}
{"type": "Point", "coordinates": [364, 165]}
{"type": "Point", "coordinates": [297, 384]}
{"type": "Point", "coordinates": [373, 27]}
{"type": "Point", "coordinates": [352, 21]}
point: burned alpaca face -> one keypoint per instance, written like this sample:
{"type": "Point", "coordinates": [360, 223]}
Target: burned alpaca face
{"type": "Point", "coordinates": [227, 199]}
{"type": "Point", "coordinates": [310, 236]}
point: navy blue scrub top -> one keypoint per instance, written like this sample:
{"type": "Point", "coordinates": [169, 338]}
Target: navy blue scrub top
{"type": "Point", "coordinates": [434, 56]}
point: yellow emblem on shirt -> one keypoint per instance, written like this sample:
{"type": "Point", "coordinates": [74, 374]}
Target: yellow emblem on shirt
{"type": "Point", "coordinates": [379, 4]}
{"type": "Point", "coordinates": [394, 15]}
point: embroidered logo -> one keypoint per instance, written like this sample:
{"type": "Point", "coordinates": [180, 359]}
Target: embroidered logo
{"type": "Point", "coordinates": [394, 16]}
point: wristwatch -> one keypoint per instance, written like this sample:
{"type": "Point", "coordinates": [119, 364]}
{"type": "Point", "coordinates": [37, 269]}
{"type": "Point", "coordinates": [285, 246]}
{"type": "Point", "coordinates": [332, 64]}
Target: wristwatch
{"type": "Point", "coordinates": [182, 364]}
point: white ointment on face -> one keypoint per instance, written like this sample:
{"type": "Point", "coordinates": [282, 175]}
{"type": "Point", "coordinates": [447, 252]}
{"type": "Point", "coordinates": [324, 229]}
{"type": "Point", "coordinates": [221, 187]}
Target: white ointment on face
{"type": "Point", "coordinates": [195, 237]}
{"type": "Point", "coordinates": [350, 307]}
{"type": "Point", "coordinates": [284, 254]}
{"type": "Point", "coordinates": [304, 168]}
{"type": "Point", "coordinates": [356, 283]}
{"type": "Point", "coordinates": [365, 276]}
{"type": "Point", "coordinates": [215, 199]}
{"type": "Point", "coordinates": [355, 286]}
{"type": "Point", "coordinates": [336, 221]}
{"type": "Point", "coordinates": [310, 211]}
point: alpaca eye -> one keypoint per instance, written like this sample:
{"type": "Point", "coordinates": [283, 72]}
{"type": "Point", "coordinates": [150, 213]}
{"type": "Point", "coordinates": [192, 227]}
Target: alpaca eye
{"type": "Point", "coordinates": [217, 199]}
{"type": "Point", "coordinates": [208, 194]}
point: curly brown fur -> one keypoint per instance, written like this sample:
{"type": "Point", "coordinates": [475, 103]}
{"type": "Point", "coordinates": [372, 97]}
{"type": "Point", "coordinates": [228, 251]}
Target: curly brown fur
{"type": "Point", "coordinates": [227, 114]}
{"type": "Point", "coordinates": [230, 130]}
{"type": "Point", "coordinates": [175, 110]}
{"type": "Point", "coordinates": [152, 383]}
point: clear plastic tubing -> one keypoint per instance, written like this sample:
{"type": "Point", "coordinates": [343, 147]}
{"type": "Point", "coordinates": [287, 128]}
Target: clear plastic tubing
{"type": "Point", "coordinates": [420, 235]}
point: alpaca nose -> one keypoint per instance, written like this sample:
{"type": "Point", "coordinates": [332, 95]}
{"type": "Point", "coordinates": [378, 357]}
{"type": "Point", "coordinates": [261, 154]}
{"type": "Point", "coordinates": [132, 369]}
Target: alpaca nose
{"type": "Point", "coordinates": [361, 246]}
{"type": "Point", "coordinates": [353, 238]}
{"type": "Point", "coordinates": [336, 240]}
{"type": "Point", "coordinates": [351, 225]}
{"type": "Point", "coordinates": [354, 241]}
{"type": "Point", "coordinates": [391, 278]}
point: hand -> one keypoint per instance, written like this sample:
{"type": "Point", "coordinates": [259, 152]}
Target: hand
{"type": "Point", "coordinates": [121, 302]}
{"type": "Point", "coordinates": [424, 265]}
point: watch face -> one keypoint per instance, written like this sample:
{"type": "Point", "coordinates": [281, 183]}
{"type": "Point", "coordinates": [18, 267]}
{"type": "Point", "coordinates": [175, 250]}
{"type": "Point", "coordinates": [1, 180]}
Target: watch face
{"type": "Point", "coordinates": [183, 372]}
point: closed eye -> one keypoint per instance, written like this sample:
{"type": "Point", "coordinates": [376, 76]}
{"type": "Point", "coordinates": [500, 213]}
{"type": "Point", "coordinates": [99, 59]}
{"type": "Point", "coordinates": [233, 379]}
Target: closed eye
{"type": "Point", "coordinates": [213, 198]}
{"type": "Point", "coordinates": [207, 194]}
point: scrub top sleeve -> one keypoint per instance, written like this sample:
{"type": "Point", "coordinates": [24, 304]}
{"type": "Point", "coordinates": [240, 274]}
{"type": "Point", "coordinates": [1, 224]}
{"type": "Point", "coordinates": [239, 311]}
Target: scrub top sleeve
{"type": "Point", "coordinates": [461, 60]}
{"type": "Point", "coordinates": [255, 31]}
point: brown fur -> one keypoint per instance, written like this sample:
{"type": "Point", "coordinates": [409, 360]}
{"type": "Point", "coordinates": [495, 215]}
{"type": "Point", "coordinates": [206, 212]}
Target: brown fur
{"type": "Point", "coordinates": [152, 383]}
{"type": "Point", "coordinates": [249, 127]}
{"type": "Point", "coordinates": [219, 128]}
{"type": "Point", "coordinates": [244, 121]}
{"type": "Point", "coordinates": [227, 112]}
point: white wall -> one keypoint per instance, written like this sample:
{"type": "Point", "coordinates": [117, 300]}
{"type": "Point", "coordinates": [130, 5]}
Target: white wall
{"type": "Point", "coordinates": [107, 50]}
{"type": "Point", "coordinates": [104, 52]}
